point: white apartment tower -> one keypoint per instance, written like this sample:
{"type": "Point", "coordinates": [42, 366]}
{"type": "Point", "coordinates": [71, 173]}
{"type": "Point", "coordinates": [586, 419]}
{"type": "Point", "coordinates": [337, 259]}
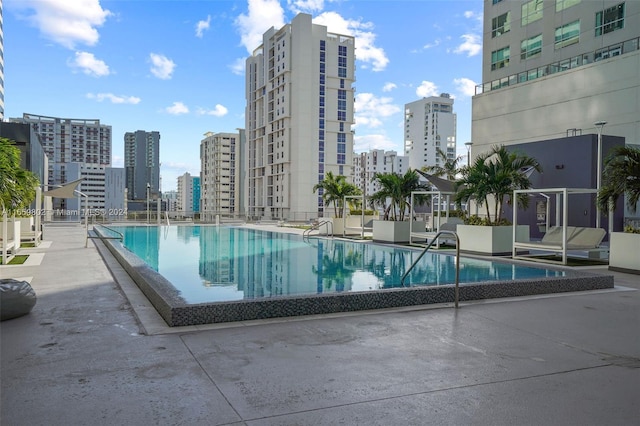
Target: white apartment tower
{"type": "Point", "coordinates": [555, 68]}
{"type": "Point", "coordinates": [367, 164]}
{"type": "Point", "coordinates": [299, 114]}
{"type": "Point", "coordinates": [430, 124]}
{"type": "Point", "coordinates": [219, 175]}
{"type": "Point", "coordinates": [76, 148]}
{"type": "Point", "coordinates": [185, 194]}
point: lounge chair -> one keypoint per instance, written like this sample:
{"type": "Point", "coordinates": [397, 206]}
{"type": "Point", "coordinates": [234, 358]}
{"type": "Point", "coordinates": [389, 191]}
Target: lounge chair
{"type": "Point", "coordinates": [577, 238]}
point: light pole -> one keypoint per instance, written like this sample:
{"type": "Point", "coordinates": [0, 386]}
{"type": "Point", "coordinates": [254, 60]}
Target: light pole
{"type": "Point", "coordinates": [148, 195]}
{"type": "Point", "coordinates": [600, 125]}
{"type": "Point", "coordinates": [468, 145]}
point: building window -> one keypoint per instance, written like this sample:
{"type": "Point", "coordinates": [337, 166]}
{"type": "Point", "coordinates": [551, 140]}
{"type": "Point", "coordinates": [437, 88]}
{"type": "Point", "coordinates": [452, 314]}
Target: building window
{"type": "Point", "coordinates": [531, 47]}
{"type": "Point", "coordinates": [342, 115]}
{"type": "Point", "coordinates": [342, 72]}
{"type": "Point", "coordinates": [531, 11]}
{"type": "Point", "coordinates": [610, 19]}
{"type": "Point", "coordinates": [500, 24]}
{"type": "Point", "coordinates": [342, 50]}
{"type": "Point", "coordinates": [323, 44]}
{"type": "Point", "coordinates": [322, 67]}
{"type": "Point", "coordinates": [565, 4]}
{"type": "Point", "coordinates": [567, 34]}
{"type": "Point", "coordinates": [500, 58]}
{"type": "Point", "coordinates": [496, 1]}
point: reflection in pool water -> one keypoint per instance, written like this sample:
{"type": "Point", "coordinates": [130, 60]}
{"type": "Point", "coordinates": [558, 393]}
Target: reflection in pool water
{"type": "Point", "coordinates": [213, 264]}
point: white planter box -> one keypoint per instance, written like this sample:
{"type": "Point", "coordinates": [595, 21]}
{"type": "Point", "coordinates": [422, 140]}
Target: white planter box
{"type": "Point", "coordinates": [624, 252]}
{"type": "Point", "coordinates": [490, 240]}
{"type": "Point", "coordinates": [386, 231]}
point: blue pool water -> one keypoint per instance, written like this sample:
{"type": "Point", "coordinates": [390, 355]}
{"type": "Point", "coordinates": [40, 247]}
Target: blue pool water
{"type": "Point", "coordinates": [214, 264]}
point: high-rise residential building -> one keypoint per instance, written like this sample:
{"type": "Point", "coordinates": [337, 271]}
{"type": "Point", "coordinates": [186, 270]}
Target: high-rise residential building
{"type": "Point", "coordinates": [170, 199]}
{"type": "Point", "coordinates": [220, 170]}
{"type": "Point", "coordinates": [553, 69]}
{"type": "Point", "coordinates": [142, 164]}
{"type": "Point", "coordinates": [76, 149]}
{"type": "Point", "coordinates": [367, 164]}
{"type": "Point", "coordinates": [188, 202]}
{"type": "Point", "coordinates": [429, 125]}
{"type": "Point", "coordinates": [299, 114]}
{"type": "Point", "coordinates": [115, 203]}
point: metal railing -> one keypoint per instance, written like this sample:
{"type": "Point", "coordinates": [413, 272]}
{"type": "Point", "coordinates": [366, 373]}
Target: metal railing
{"type": "Point", "coordinates": [101, 237]}
{"type": "Point", "coordinates": [426, 249]}
{"type": "Point", "coordinates": [316, 227]}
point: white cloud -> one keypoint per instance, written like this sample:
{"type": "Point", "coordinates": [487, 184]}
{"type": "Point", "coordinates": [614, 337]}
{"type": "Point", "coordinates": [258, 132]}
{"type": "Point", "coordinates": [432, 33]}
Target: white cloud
{"type": "Point", "coordinates": [389, 87]}
{"type": "Point", "coordinates": [238, 66]}
{"type": "Point", "coordinates": [465, 86]}
{"type": "Point", "coordinates": [262, 15]}
{"type": "Point", "coordinates": [89, 65]}
{"type": "Point", "coordinates": [178, 108]}
{"type": "Point", "coordinates": [305, 6]}
{"type": "Point", "coordinates": [426, 89]}
{"type": "Point", "coordinates": [67, 22]}
{"type": "Point", "coordinates": [472, 45]}
{"type": "Point", "coordinates": [370, 110]}
{"type": "Point", "coordinates": [435, 43]}
{"type": "Point", "coordinates": [161, 66]}
{"type": "Point", "coordinates": [365, 39]}
{"type": "Point", "coordinates": [364, 143]}
{"type": "Point", "coordinates": [115, 99]}
{"type": "Point", "coordinates": [470, 14]}
{"type": "Point", "coordinates": [201, 26]}
{"type": "Point", "coordinates": [217, 111]}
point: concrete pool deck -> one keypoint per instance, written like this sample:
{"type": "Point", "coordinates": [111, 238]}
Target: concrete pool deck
{"type": "Point", "coordinates": [88, 354]}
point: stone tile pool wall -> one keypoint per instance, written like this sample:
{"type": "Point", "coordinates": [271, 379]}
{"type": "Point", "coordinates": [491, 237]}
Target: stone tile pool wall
{"type": "Point", "coordinates": [173, 309]}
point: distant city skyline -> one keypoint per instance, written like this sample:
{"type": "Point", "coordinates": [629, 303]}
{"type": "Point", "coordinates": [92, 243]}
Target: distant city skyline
{"type": "Point", "coordinates": [180, 70]}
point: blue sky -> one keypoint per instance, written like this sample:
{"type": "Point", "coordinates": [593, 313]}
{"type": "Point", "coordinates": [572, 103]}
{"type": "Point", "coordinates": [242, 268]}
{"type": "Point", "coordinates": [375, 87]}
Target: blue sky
{"type": "Point", "coordinates": [176, 66]}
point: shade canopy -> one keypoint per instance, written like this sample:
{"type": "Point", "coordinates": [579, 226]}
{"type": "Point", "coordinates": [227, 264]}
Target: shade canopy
{"type": "Point", "coordinates": [442, 185]}
{"type": "Point", "coordinates": [65, 191]}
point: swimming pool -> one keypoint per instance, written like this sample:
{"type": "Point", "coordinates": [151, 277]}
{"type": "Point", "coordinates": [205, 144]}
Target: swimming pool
{"type": "Point", "coordinates": [231, 273]}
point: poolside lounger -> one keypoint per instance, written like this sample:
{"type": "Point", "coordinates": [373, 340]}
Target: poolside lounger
{"type": "Point", "coordinates": [578, 238]}
{"type": "Point", "coordinates": [586, 238]}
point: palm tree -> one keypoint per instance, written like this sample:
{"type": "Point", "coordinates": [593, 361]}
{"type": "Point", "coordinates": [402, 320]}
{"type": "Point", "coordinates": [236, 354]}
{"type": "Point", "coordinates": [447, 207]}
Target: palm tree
{"type": "Point", "coordinates": [17, 185]}
{"type": "Point", "coordinates": [450, 168]}
{"type": "Point", "coordinates": [496, 174]}
{"type": "Point", "coordinates": [334, 189]}
{"type": "Point", "coordinates": [397, 189]}
{"type": "Point", "coordinates": [621, 175]}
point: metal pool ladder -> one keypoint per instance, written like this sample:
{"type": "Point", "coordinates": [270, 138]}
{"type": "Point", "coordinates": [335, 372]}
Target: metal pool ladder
{"type": "Point", "coordinates": [426, 249]}
{"type": "Point", "coordinates": [316, 227]}
{"type": "Point", "coordinates": [120, 236]}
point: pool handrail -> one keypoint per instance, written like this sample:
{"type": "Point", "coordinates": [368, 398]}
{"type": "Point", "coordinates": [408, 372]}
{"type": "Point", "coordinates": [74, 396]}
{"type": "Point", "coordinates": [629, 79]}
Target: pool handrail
{"type": "Point", "coordinates": [426, 249]}
{"type": "Point", "coordinates": [102, 237]}
{"type": "Point", "coordinates": [316, 227]}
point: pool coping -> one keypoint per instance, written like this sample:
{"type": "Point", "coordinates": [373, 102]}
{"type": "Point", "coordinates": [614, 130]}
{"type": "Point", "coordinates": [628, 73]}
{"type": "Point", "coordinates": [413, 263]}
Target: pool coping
{"type": "Point", "coordinates": [176, 312]}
